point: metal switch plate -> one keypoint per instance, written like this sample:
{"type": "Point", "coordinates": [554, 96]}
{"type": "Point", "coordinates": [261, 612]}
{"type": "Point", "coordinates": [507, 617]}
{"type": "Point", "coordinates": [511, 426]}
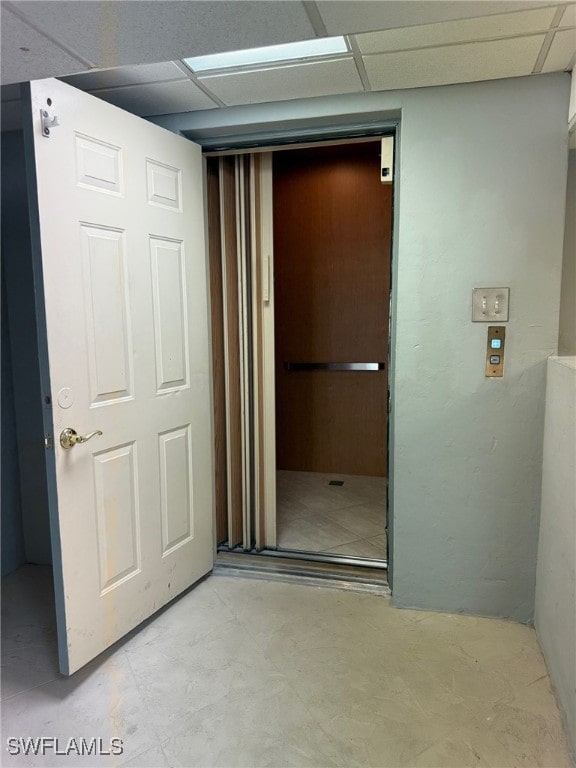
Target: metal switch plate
{"type": "Point", "coordinates": [490, 305]}
{"type": "Point", "coordinates": [495, 362]}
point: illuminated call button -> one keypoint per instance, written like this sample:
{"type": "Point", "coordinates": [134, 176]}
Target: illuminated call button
{"type": "Point", "coordinates": [494, 359]}
{"type": "Point", "coordinates": [496, 343]}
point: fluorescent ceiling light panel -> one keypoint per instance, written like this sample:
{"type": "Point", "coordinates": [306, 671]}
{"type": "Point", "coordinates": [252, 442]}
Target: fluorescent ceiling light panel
{"type": "Point", "coordinates": [271, 54]}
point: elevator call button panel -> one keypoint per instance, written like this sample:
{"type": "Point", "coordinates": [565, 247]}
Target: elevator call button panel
{"type": "Point", "coordinates": [495, 359]}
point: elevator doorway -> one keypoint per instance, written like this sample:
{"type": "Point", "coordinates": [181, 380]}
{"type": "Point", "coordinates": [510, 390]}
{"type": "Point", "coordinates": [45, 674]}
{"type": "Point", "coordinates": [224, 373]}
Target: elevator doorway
{"type": "Point", "coordinates": [332, 225]}
{"type": "Point", "coordinates": [300, 251]}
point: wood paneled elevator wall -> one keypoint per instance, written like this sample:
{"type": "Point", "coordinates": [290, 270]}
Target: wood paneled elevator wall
{"type": "Point", "coordinates": [332, 246]}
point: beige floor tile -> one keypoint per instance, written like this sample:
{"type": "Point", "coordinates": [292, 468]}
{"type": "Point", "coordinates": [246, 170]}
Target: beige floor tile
{"type": "Point", "coordinates": [313, 515]}
{"type": "Point", "coordinates": [286, 511]}
{"type": "Point", "coordinates": [361, 548]}
{"type": "Point", "coordinates": [379, 541]}
{"type": "Point", "coordinates": [365, 520]}
{"type": "Point", "coordinates": [316, 533]}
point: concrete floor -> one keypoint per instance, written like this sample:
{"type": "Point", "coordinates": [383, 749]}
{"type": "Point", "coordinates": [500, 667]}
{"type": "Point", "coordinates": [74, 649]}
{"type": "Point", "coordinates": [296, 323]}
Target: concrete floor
{"type": "Point", "coordinates": [241, 672]}
{"type": "Point", "coordinates": [314, 516]}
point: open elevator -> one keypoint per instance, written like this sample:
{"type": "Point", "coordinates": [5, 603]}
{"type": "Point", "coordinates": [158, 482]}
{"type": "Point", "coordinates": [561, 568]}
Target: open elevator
{"type": "Point", "coordinates": [300, 242]}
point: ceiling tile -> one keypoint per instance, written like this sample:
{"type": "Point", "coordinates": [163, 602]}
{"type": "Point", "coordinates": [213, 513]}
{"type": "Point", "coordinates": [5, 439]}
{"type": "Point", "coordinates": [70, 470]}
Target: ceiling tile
{"type": "Point", "coordinates": [280, 83]}
{"type": "Point", "coordinates": [453, 64]}
{"type": "Point", "coordinates": [158, 98]}
{"type": "Point", "coordinates": [28, 55]}
{"type": "Point", "coordinates": [347, 16]}
{"type": "Point", "coordinates": [145, 31]}
{"type": "Point", "coordinates": [464, 30]}
{"type": "Point", "coordinates": [561, 51]}
{"type": "Point", "coordinates": [569, 18]}
{"type": "Point", "coordinates": [135, 75]}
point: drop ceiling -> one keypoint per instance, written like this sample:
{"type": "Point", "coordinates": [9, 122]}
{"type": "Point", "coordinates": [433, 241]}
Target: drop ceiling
{"type": "Point", "coordinates": [392, 44]}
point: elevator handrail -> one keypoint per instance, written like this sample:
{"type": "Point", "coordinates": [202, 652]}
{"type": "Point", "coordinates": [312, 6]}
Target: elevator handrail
{"type": "Point", "coordinates": [334, 366]}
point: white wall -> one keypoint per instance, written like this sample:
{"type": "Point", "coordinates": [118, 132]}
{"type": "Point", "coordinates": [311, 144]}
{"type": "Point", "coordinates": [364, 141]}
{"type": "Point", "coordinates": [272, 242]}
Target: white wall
{"type": "Point", "coordinates": [555, 617]}
{"type": "Point", "coordinates": [480, 202]}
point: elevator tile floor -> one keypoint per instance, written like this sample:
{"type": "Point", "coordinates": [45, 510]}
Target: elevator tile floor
{"type": "Point", "coordinates": [347, 519]}
{"type": "Point", "coordinates": [249, 673]}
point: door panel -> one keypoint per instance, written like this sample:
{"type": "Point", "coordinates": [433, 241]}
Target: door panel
{"type": "Point", "coordinates": [238, 201]}
{"type": "Point", "coordinates": [232, 342]}
{"type": "Point", "coordinates": [170, 314]}
{"type": "Point", "coordinates": [218, 361]}
{"type": "Point", "coordinates": [332, 237]}
{"type": "Point", "coordinates": [120, 209]}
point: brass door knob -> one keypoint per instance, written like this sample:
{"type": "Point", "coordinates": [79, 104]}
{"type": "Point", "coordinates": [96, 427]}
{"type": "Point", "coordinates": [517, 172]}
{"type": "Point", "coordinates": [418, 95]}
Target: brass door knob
{"type": "Point", "coordinates": [69, 437]}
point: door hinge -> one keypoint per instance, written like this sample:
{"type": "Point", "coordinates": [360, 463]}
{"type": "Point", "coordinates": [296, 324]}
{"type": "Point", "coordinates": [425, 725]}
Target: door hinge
{"type": "Point", "coordinates": [48, 120]}
{"type": "Point", "coordinates": [48, 442]}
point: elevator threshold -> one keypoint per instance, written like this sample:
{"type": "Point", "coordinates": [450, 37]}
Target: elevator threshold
{"type": "Point", "coordinates": [296, 568]}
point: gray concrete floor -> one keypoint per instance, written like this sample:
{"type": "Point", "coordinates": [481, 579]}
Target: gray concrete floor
{"type": "Point", "coordinates": [243, 672]}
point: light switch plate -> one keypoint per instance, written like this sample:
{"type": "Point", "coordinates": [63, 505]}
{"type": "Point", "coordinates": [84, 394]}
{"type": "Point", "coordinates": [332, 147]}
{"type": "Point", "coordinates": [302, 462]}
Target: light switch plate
{"type": "Point", "coordinates": [490, 305]}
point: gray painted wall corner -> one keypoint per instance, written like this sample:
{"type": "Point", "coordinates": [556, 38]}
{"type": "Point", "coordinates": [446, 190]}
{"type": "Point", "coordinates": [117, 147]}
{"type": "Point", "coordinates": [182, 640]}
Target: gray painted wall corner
{"type": "Point", "coordinates": [555, 613]}
{"type": "Point", "coordinates": [483, 172]}
{"type": "Point", "coordinates": [23, 340]}
{"type": "Point", "coordinates": [567, 332]}
{"type": "Point", "coordinates": [12, 534]}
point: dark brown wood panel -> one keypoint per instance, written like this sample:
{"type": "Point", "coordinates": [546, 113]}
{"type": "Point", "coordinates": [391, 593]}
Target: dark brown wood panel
{"type": "Point", "coordinates": [332, 422]}
{"type": "Point", "coordinates": [217, 324]}
{"type": "Point", "coordinates": [332, 238]}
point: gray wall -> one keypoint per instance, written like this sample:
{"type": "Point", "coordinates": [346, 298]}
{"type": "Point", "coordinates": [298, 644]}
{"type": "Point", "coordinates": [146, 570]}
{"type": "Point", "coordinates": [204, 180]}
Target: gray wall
{"type": "Point", "coordinates": [480, 202]}
{"type": "Point", "coordinates": [11, 520]}
{"type": "Point", "coordinates": [23, 343]}
{"type": "Point", "coordinates": [483, 176]}
{"type": "Point", "coordinates": [555, 616]}
{"type": "Point", "coordinates": [567, 334]}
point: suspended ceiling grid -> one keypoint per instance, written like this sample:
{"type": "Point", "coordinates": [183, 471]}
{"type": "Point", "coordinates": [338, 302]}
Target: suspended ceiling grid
{"type": "Point", "coordinates": [392, 45]}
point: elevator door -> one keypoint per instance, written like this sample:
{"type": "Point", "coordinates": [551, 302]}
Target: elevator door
{"type": "Point", "coordinates": [332, 238]}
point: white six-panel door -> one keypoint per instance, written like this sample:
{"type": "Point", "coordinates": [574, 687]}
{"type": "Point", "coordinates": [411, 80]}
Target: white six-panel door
{"type": "Point", "coordinates": [123, 258]}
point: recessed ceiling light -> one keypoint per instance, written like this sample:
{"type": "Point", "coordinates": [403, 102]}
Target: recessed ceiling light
{"type": "Point", "coordinates": [306, 49]}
